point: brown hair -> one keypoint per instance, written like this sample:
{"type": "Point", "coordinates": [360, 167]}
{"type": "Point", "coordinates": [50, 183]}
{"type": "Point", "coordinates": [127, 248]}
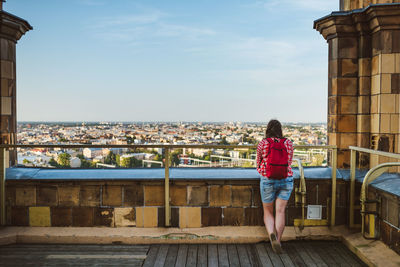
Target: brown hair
{"type": "Point", "coordinates": [274, 129]}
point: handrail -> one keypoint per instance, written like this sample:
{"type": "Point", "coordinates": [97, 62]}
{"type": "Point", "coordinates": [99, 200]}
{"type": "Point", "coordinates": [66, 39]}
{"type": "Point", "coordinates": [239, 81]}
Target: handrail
{"type": "Point", "coordinates": [371, 175]}
{"type": "Point", "coordinates": [353, 150]}
{"type": "Point", "coordinates": [167, 147]}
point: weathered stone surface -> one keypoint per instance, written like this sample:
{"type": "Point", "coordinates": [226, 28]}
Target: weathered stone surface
{"type": "Point", "coordinates": [7, 69]}
{"type": "Point", "coordinates": [112, 196]}
{"type": "Point", "coordinates": [364, 85]}
{"type": "Point", "coordinates": [241, 196]}
{"type": "Point", "coordinates": [174, 217]}
{"type": "Point", "coordinates": [197, 195]}
{"type": "Point", "coordinates": [133, 196]}
{"type": "Point", "coordinates": [104, 217]}
{"type": "Point", "coordinates": [346, 86]}
{"type": "Point", "coordinates": [90, 196]}
{"type": "Point", "coordinates": [256, 197]}
{"type": "Point", "coordinates": [19, 216]}
{"type": "Point", "coordinates": [82, 216]}
{"type": "Point", "coordinates": [253, 216]}
{"type": "Point", "coordinates": [178, 195]}
{"type": "Point", "coordinates": [10, 196]}
{"type": "Point", "coordinates": [39, 216]}
{"type": "Point", "coordinates": [347, 48]}
{"type": "Point", "coordinates": [189, 217]}
{"type": "Point", "coordinates": [61, 216]}
{"type": "Point", "coordinates": [125, 217]}
{"type": "Point", "coordinates": [348, 104]}
{"type": "Point", "coordinates": [68, 195]}
{"type": "Point", "coordinates": [349, 67]}
{"type": "Point", "coordinates": [211, 216]}
{"type": "Point", "coordinates": [25, 196]}
{"type": "Point", "coordinates": [347, 123]}
{"type": "Point", "coordinates": [154, 195]}
{"type": "Point", "coordinates": [395, 83]}
{"type": "Point", "coordinates": [47, 196]}
{"type": "Point", "coordinates": [220, 195]}
{"type": "Point", "coordinates": [146, 217]}
{"type": "Point", "coordinates": [233, 216]}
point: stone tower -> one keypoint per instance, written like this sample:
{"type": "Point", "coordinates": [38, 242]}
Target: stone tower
{"type": "Point", "coordinates": [11, 30]}
{"type": "Point", "coordinates": [364, 77]}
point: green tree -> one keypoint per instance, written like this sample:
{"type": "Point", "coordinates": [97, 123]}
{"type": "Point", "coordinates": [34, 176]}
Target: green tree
{"type": "Point", "coordinates": [130, 162]}
{"type": "Point", "coordinates": [25, 161]}
{"type": "Point", "coordinates": [63, 159]}
{"type": "Point", "coordinates": [111, 158]}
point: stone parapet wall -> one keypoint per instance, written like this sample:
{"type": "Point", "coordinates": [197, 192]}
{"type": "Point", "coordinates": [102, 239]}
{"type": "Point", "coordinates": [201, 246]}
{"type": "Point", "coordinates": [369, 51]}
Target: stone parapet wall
{"type": "Point", "coordinates": [346, 5]}
{"type": "Point", "coordinates": [141, 203]}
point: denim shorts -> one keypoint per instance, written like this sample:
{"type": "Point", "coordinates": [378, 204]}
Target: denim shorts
{"type": "Point", "coordinates": [271, 189]}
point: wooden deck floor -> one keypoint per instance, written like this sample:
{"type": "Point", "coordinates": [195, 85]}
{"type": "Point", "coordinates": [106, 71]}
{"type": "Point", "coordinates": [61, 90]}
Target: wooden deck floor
{"type": "Point", "coordinates": [297, 253]}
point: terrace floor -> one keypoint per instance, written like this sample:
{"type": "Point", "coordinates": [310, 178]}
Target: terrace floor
{"type": "Point", "coordinates": [297, 253]}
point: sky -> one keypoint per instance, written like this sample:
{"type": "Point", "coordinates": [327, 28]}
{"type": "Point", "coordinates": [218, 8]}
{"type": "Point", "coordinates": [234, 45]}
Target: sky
{"type": "Point", "coordinates": [170, 60]}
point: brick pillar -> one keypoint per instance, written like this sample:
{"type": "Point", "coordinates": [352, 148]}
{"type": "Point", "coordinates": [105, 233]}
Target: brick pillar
{"type": "Point", "coordinates": [11, 30]}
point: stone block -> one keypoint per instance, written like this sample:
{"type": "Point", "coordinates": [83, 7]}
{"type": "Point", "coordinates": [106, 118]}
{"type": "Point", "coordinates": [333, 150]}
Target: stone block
{"type": "Point", "coordinates": [363, 123]}
{"type": "Point", "coordinates": [7, 50]}
{"type": "Point", "coordinates": [25, 196]}
{"type": "Point", "coordinates": [7, 87]}
{"type": "Point", "coordinates": [7, 69]}
{"type": "Point", "coordinates": [10, 196]}
{"type": "Point", "coordinates": [39, 216]}
{"type": "Point", "coordinates": [397, 62]}
{"type": "Point", "coordinates": [365, 46]}
{"type": "Point", "coordinates": [333, 139]}
{"type": "Point", "coordinates": [220, 195]}
{"type": "Point", "coordinates": [6, 105]}
{"type": "Point", "coordinates": [82, 216]}
{"type": "Point", "coordinates": [343, 158]}
{"type": "Point", "coordinates": [364, 67]}
{"type": "Point", "coordinates": [133, 196]}
{"type": "Point", "coordinates": [375, 103]}
{"type": "Point", "coordinates": [178, 195]}
{"type": "Point", "coordinates": [174, 217]}
{"type": "Point", "coordinates": [90, 196]}
{"type": "Point", "coordinates": [376, 65]}
{"type": "Point", "coordinates": [146, 217]}
{"type": "Point", "coordinates": [333, 48]}
{"type": "Point", "coordinates": [386, 37]}
{"type": "Point", "coordinates": [233, 216]}
{"type": "Point", "coordinates": [197, 195]}
{"type": "Point", "coordinates": [241, 196]}
{"type": "Point", "coordinates": [256, 197]}
{"type": "Point", "coordinates": [332, 123]}
{"type": "Point", "coordinates": [61, 216]}
{"type": "Point", "coordinates": [333, 68]}
{"type": "Point", "coordinates": [375, 84]}
{"type": "Point", "coordinates": [103, 217]}
{"type": "Point", "coordinates": [19, 216]}
{"type": "Point", "coordinates": [332, 105]}
{"type": "Point", "coordinates": [346, 86]}
{"type": "Point", "coordinates": [395, 83]}
{"type": "Point", "coordinates": [348, 67]}
{"type": "Point", "coordinates": [253, 217]}
{"type": "Point", "coordinates": [189, 217]}
{"type": "Point", "coordinates": [386, 80]}
{"type": "Point", "coordinates": [332, 87]}
{"type": "Point", "coordinates": [385, 123]}
{"type": "Point", "coordinates": [394, 123]}
{"type": "Point", "coordinates": [364, 105]}
{"type": "Point", "coordinates": [396, 41]}
{"type": "Point", "coordinates": [348, 48]}
{"type": "Point", "coordinates": [388, 103]}
{"type": "Point", "coordinates": [348, 104]}
{"type": "Point", "coordinates": [347, 123]}
{"type": "Point", "coordinates": [112, 196]}
{"type": "Point", "coordinates": [68, 195]}
{"type": "Point", "coordinates": [46, 196]}
{"type": "Point", "coordinates": [388, 63]}
{"type": "Point", "coordinates": [364, 84]}
{"type": "Point", "coordinates": [211, 217]}
{"type": "Point", "coordinates": [125, 217]}
{"type": "Point", "coordinates": [154, 195]}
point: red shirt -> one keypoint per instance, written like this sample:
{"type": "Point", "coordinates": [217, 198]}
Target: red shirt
{"type": "Point", "coordinates": [262, 152]}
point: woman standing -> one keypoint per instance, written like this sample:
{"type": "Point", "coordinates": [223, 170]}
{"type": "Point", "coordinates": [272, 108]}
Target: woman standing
{"type": "Point", "coordinates": [274, 157]}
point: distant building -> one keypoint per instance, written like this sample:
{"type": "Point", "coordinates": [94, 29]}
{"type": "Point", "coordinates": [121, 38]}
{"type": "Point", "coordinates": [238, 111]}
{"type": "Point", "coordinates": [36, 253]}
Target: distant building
{"type": "Point", "coordinates": [91, 153]}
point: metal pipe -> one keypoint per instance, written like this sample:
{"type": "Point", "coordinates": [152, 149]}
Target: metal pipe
{"type": "Point", "coordinates": [375, 152]}
{"type": "Point", "coordinates": [166, 188]}
{"type": "Point", "coordinates": [3, 159]}
{"type": "Point", "coordinates": [303, 190]}
{"type": "Point", "coordinates": [334, 167]}
{"type": "Point", "coordinates": [352, 185]}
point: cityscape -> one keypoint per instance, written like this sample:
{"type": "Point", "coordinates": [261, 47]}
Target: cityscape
{"type": "Point", "coordinates": [158, 133]}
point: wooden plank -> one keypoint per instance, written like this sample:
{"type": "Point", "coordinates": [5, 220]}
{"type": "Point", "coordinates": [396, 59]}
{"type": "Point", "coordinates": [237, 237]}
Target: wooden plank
{"type": "Point", "coordinates": [252, 252]}
{"type": "Point", "coordinates": [233, 255]}
{"type": "Point", "coordinates": [295, 257]}
{"type": "Point", "coordinates": [350, 257]}
{"type": "Point", "coordinates": [243, 255]}
{"type": "Point", "coordinates": [303, 254]}
{"type": "Point", "coordinates": [161, 255]}
{"type": "Point", "coordinates": [327, 258]}
{"type": "Point", "coordinates": [286, 260]}
{"type": "Point", "coordinates": [276, 260]}
{"type": "Point", "coordinates": [151, 256]}
{"type": "Point", "coordinates": [212, 254]}
{"type": "Point", "coordinates": [310, 248]}
{"type": "Point", "coordinates": [202, 256]}
{"type": "Point", "coordinates": [263, 255]}
{"type": "Point", "coordinates": [192, 255]}
{"type": "Point", "coordinates": [171, 256]}
{"type": "Point", "coordinates": [182, 254]}
{"type": "Point", "coordinates": [333, 253]}
{"type": "Point", "coordinates": [222, 255]}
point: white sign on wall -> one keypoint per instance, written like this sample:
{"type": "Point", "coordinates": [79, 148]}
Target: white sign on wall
{"type": "Point", "coordinates": [314, 212]}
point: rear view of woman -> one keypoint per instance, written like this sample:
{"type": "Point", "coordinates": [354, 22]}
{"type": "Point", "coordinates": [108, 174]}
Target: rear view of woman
{"type": "Point", "coordinates": [274, 157]}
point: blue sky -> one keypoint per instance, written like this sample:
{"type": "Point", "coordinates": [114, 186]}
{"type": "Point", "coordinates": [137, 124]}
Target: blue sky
{"type": "Point", "coordinates": [169, 60]}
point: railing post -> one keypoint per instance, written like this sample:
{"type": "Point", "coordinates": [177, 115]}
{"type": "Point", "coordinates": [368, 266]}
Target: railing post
{"type": "Point", "coordinates": [352, 185]}
{"type": "Point", "coordinates": [334, 167]}
{"type": "Point", "coordinates": [166, 187]}
{"type": "Point", "coordinates": [3, 165]}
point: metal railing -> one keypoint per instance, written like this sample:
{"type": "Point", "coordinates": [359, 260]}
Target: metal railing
{"type": "Point", "coordinates": [4, 163]}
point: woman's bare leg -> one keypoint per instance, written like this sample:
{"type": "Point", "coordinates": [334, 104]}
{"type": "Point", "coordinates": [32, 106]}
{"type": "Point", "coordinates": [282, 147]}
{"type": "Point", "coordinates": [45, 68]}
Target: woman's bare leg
{"type": "Point", "coordinates": [280, 217]}
{"type": "Point", "coordinates": [269, 219]}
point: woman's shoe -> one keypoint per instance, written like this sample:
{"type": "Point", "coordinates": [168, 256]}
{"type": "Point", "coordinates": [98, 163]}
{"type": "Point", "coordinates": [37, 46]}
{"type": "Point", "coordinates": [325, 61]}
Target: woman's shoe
{"type": "Point", "coordinates": [276, 245]}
